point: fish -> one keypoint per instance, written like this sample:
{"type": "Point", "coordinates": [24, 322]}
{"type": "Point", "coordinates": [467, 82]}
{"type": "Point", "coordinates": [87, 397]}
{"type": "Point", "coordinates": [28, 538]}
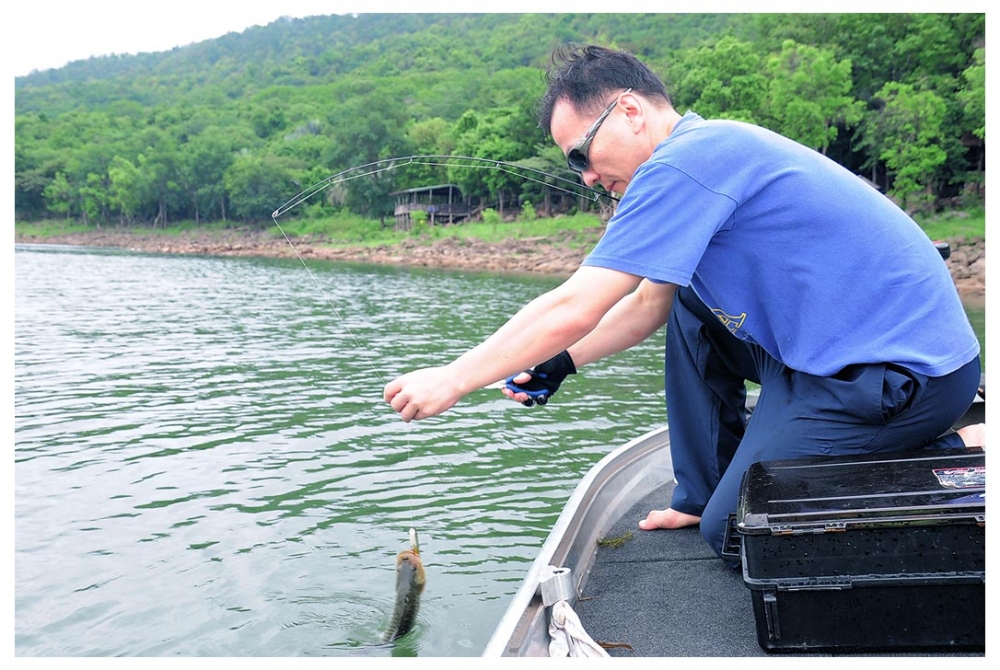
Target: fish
{"type": "Point", "coordinates": [410, 581]}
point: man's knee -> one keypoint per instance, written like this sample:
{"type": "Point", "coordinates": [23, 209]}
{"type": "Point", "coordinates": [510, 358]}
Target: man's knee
{"type": "Point", "coordinates": [713, 530]}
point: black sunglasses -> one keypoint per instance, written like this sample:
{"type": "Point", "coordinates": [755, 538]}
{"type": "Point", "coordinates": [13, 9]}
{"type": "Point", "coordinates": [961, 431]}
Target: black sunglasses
{"type": "Point", "coordinates": [577, 158]}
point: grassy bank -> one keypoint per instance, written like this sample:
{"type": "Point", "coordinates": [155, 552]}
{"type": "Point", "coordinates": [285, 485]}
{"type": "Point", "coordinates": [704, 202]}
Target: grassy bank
{"type": "Point", "coordinates": [955, 225]}
{"type": "Point", "coordinates": [579, 231]}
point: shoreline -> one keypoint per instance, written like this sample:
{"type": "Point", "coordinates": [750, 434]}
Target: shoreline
{"type": "Point", "coordinates": [554, 255]}
{"type": "Point", "coordinates": [551, 255]}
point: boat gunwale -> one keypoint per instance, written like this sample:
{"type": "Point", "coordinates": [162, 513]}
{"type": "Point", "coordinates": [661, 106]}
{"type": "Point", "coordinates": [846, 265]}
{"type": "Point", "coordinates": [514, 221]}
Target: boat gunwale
{"type": "Point", "coordinates": [619, 480]}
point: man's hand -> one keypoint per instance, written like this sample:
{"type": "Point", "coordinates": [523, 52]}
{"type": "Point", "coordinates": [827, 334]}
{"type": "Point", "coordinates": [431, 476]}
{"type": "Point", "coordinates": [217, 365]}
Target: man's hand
{"type": "Point", "coordinates": [422, 393]}
{"type": "Point", "coordinates": [541, 382]}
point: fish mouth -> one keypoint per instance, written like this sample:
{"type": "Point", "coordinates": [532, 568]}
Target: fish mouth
{"type": "Point", "coordinates": [409, 570]}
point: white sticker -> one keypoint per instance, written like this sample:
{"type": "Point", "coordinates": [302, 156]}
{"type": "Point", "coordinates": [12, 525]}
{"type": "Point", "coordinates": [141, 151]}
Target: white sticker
{"type": "Point", "coordinates": [962, 478]}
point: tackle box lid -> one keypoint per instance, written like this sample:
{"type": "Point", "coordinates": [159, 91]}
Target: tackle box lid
{"type": "Point", "coordinates": [842, 492]}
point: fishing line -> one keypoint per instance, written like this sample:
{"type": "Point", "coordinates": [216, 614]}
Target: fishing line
{"type": "Point", "coordinates": [357, 343]}
{"type": "Point", "coordinates": [326, 297]}
{"type": "Point", "coordinates": [377, 167]}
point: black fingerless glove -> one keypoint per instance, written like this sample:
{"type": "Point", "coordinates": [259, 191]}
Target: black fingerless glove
{"type": "Point", "coordinates": [545, 379]}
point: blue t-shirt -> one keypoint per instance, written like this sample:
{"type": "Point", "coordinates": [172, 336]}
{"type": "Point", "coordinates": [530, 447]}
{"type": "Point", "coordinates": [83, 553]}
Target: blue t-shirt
{"type": "Point", "coordinates": [790, 250]}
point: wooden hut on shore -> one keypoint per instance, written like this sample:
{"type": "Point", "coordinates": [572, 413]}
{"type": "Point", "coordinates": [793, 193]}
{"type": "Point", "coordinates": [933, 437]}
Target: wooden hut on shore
{"type": "Point", "coordinates": [443, 204]}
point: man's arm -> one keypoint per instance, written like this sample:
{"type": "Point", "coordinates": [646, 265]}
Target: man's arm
{"type": "Point", "coordinates": [633, 318]}
{"type": "Point", "coordinates": [542, 328]}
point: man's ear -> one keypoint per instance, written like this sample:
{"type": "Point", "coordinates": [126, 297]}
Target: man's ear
{"type": "Point", "coordinates": [633, 107]}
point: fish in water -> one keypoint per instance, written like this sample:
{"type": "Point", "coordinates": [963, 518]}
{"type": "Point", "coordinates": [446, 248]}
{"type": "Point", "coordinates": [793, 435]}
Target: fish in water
{"type": "Point", "coordinates": [410, 580]}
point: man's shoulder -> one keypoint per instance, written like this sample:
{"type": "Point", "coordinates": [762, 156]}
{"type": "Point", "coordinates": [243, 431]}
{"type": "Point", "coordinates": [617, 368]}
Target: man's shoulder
{"type": "Point", "coordinates": [710, 140]}
{"type": "Point", "coordinates": [692, 123]}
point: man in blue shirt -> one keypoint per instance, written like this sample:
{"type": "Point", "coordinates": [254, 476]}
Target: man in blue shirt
{"type": "Point", "coordinates": [767, 261]}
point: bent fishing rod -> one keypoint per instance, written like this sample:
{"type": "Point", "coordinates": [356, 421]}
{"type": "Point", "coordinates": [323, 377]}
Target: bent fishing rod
{"type": "Point", "coordinates": [527, 173]}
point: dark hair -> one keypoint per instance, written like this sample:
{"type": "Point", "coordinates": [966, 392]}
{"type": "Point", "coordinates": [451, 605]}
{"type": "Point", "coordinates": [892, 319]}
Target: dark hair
{"type": "Point", "coordinates": [585, 76]}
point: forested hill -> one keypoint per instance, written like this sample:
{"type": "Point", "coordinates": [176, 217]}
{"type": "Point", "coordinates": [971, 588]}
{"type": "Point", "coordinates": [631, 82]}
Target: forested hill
{"type": "Point", "coordinates": [230, 127]}
{"type": "Point", "coordinates": [322, 49]}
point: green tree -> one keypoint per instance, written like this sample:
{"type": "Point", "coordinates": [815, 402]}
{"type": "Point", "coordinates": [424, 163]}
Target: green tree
{"type": "Point", "coordinates": [541, 184]}
{"type": "Point", "coordinates": [94, 199]}
{"type": "Point", "coordinates": [549, 181]}
{"type": "Point", "coordinates": [159, 165]}
{"type": "Point", "coordinates": [724, 80]}
{"type": "Point", "coordinates": [366, 129]}
{"type": "Point", "coordinates": [908, 128]}
{"type": "Point", "coordinates": [505, 134]}
{"type": "Point", "coordinates": [268, 119]}
{"type": "Point", "coordinates": [973, 102]}
{"type": "Point", "coordinates": [257, 185]}
{"type": "Point", "coordinates": [60, 195]}
{"type": "Point", "coordinates": [427, 137]}
{"type": "Point", "coordinates": [86, 167]}
{"type": "Point", "coordinates": [202, 167]}
{"type": "Point", "coordinates": [35, 164]}
{"type": "Point", "coordinates": [925, 50]}
{"type": "Point", "coordinates": [124, 194]}
{"type": "Point", "coordinates": [328, 93]}
{"type": "Point", "coordinates": [973, 97]}
{"type": "Point", "coordinates": [810, 95]}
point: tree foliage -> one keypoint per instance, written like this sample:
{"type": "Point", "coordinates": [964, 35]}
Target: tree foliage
{"type": "Point", "coordinates": [230, 128]}
{"type": "Point", "coordinates": [810, 94]}
{"type": "Point", "coordinates": [973, 96]}
{"type": "Point", "coordinates": [910, 124]}
{"type": "Point", "coordinates": [724, 80]}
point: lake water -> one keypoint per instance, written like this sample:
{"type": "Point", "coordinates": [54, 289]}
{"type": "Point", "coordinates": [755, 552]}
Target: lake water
{"type": "Point", "coordinates": [204, 465]}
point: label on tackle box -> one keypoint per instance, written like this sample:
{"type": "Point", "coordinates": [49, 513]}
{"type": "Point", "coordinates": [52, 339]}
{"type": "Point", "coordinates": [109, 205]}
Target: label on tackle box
{"type": "Point", "coordinates": [962, 478]}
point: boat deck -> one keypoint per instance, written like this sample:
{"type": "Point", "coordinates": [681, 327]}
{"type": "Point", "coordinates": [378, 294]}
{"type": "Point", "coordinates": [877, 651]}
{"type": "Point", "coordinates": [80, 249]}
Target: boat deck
{"type": "Point", "coordinates": [665, 593]}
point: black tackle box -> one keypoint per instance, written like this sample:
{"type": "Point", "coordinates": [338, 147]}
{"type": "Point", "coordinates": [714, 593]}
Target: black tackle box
{"type": "Point", "coordinates": [855, 554]}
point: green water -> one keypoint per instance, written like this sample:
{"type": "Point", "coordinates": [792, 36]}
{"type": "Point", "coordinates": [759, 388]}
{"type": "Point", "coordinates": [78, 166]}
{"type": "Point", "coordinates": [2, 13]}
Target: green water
{"type": "Point", "coordinates": [204, 465]}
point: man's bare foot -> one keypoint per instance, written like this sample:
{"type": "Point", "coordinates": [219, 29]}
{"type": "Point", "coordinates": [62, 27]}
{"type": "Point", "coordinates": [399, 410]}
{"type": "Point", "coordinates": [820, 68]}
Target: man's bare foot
{"type": "Point", "coordinates": [973, 435]}
{"type": "Point", "coordinates": [668, 518]}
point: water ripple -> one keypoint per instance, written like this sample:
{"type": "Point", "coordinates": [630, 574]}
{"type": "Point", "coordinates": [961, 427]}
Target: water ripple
{"type": "Point", "coordinates": [207, 436]}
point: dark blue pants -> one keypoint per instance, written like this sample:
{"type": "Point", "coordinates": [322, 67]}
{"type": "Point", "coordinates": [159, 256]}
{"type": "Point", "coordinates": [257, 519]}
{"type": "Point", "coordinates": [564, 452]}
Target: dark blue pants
{"type": "Point", "coordinates": [863, 409]}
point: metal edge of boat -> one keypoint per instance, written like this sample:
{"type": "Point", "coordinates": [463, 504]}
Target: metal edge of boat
{"type": "Point", "coordinates": [610, 488]}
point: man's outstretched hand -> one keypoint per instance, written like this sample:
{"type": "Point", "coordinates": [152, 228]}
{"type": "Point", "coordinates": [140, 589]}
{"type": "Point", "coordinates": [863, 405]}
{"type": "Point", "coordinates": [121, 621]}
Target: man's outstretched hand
{"type": "Point", "coordinates": [422, 393]}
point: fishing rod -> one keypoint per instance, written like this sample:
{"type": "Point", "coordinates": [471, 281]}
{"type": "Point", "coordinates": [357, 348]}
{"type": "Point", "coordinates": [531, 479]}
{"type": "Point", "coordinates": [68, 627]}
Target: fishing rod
{"type": "Point", "coordinates": [525, 172]}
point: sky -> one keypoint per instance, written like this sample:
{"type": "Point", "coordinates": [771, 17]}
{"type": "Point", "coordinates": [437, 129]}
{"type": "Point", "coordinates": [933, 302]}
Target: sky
{"type": "Point", "coordinates": [51, 34]}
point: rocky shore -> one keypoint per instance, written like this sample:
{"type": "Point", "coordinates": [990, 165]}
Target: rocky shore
{"type": "Point", "coordinates": [551, 255]}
